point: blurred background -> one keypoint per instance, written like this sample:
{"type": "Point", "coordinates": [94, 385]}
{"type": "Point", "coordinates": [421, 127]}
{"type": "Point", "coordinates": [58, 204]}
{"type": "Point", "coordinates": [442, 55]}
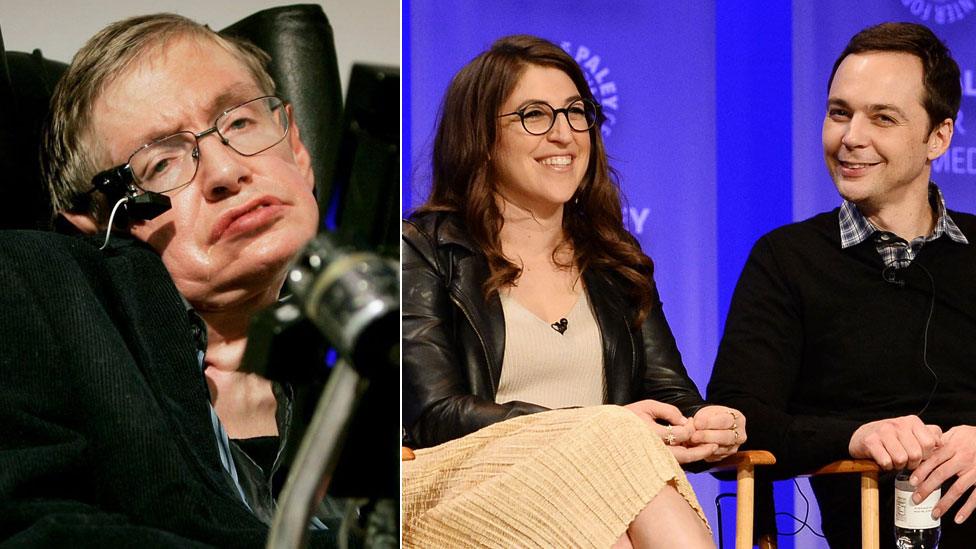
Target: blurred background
{"type": "Point", "coordinates": [714, 115]}
{"type": "Point", "coordinates": [365, 30]}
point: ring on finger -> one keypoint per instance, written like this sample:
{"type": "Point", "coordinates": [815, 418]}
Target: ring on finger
{"type": "Point", "coordinates": [669, 438]}
{"type": "Point", "coordinates": [735, 436]}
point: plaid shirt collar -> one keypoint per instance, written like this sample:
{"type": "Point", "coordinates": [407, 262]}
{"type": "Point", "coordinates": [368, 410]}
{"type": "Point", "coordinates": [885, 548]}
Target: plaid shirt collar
{"type": "Point", "coordinates": [855, 228]}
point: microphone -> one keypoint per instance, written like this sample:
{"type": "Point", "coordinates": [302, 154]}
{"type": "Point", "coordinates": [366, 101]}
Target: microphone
{"type": "Point", "coordinates": [890, 275]}
{"type": "Point", "coordinates": [354, 299]}
{"type": "Point", "coordinates": [343, 298]}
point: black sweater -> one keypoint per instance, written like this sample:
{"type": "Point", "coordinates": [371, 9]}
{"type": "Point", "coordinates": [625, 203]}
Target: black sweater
{"type": "Point", "coordinates": [817, 343]}
{"type": "Point", "coordinates": [105, 435]}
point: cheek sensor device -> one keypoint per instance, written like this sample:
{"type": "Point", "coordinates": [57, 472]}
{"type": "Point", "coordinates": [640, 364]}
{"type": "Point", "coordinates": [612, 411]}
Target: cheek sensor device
{"type": "Point", "coordinates": [117, 185]}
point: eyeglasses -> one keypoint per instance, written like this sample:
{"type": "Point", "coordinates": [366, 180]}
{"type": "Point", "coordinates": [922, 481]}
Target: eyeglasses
{"type": "Point", "coordinates": [171, 162]}
{"type": "Point", "coordinates": [539, 117]}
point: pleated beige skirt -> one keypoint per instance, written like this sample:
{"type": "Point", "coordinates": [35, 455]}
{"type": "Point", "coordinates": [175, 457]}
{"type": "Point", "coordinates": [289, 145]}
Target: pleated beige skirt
{"type": "Point", "coordinates": [565, 478]}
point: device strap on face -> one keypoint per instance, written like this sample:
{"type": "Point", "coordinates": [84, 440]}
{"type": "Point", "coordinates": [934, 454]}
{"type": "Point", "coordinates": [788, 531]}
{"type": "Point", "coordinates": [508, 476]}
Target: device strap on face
{"type": "Point", "coordinates": [117, 184]}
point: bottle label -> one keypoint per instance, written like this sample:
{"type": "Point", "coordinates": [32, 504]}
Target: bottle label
{"type": "Point", "coordinates": [915, 516]}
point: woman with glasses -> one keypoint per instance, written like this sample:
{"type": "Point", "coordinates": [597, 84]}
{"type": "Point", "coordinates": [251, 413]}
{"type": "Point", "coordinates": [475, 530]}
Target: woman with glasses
{"type": "Point", "coordinates": [539, 372]}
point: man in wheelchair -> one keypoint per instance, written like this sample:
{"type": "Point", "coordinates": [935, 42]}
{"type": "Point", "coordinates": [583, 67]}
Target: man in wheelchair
{"type": "Point", "coordinates": [126, 417]}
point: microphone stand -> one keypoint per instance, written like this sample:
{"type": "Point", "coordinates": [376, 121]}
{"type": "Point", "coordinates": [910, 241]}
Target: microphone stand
{"type": "Point", "coordinates": [353, 299]}
{"type": "Point", "coordinates": [317, 457]}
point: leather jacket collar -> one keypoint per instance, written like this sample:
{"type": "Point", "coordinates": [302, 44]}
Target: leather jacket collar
{"type": "Point", "coordinates": [454, 339]}
{"type": "Point", "coordinates": [464, 270]}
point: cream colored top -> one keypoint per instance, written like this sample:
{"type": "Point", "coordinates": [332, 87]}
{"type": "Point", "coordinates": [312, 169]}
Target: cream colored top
{"type": "Point", "coordinates": [547, 368]}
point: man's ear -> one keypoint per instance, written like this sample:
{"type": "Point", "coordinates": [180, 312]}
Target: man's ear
{"type": "Point", "coordinates": [82, 222]}
{"type": "Point", "coordinates": [299, 151]}
{"type": "Point", "coordinates": [939, 139]}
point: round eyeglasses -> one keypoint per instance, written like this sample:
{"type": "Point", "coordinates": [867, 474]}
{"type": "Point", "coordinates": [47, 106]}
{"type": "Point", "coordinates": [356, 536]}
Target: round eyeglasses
{"type": "Point", "coordinates": [539, 117]}
{"type": "Point", "coordinates": [171, 162]}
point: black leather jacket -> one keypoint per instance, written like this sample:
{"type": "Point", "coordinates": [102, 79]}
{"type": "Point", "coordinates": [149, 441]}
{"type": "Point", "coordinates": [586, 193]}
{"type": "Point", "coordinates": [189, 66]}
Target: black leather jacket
{"type": "Point", "coordinates": [454, 340]}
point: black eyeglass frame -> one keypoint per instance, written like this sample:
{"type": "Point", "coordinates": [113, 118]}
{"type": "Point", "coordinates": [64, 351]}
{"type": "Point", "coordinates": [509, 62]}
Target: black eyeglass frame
{"type": "Point", "coordinates": [597, 116]}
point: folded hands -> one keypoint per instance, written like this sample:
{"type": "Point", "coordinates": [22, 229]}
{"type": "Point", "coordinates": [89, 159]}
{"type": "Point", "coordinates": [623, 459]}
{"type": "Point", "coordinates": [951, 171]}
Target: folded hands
{"type": "Point", "coordinates": [713, 433]}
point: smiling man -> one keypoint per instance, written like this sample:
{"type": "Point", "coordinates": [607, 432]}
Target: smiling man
{"type": "Point", "coordinates": [126, 418]}
{"type": "Point", "coordinates": [853, 333]}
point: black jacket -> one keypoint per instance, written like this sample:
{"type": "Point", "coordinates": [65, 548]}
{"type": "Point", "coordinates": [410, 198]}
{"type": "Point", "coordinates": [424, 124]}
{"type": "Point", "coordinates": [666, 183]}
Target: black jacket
{"type": "Point", "coordinates": [454, 340]}
{"type": "Point", "coordinates": [105, 435]}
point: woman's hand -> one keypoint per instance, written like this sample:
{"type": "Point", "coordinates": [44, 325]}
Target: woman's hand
{"type": "Point", "coordinates": [721, 426]}
{"type": "Point", "coordinates": [677, 431]}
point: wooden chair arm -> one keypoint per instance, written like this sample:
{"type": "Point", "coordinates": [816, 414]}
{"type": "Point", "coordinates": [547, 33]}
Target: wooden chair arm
{"type": "Point", "coordinates": [745, 458]}
{"type": "Point", "coordinates": [406, 454]}
{"type": "Point", "coordinates": [744, 463]}
{"type": "Point", "coordinates": [843, 466]}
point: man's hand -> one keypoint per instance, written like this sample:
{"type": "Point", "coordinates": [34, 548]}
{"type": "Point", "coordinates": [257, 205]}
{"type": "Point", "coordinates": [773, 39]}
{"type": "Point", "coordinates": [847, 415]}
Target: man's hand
{"type": "Point", "coordinates": [896, 443]}
{"type": "Point", "coordinates": [676, 434]}
{"type": "Point", "coordinates": [955, 457]}
{"type": "Point", "coordinates": [723, 427]}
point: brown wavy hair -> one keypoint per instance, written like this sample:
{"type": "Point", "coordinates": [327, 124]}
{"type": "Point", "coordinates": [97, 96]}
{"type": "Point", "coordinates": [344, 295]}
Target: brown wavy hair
{"type": "Point", "coordinates": [462, 180]}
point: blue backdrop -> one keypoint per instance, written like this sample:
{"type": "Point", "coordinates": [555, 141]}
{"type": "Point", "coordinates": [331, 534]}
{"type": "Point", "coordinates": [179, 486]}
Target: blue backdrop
{"type": "Point", "coordinates": [714, 111]}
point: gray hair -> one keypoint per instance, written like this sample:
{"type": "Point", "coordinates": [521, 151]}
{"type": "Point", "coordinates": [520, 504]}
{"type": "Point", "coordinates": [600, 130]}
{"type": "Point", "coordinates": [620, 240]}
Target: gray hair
{"type": "Point", "coordinates": [69, 150]}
